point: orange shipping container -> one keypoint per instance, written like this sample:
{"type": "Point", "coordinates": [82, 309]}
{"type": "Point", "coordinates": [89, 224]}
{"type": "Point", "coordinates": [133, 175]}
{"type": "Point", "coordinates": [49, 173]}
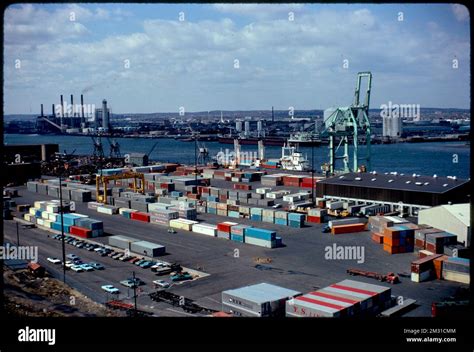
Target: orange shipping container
{"type": "Point", "coordinates": [377, 238]}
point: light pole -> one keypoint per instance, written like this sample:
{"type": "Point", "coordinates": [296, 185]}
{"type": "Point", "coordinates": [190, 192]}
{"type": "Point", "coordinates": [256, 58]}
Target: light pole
{"type": "Point", "coordinates": [66, 166]}
{"type": "Point", "coordinates": [17, 235]}
{"type": "Point", "coordinates": [312, 171]}
{"type": "Point", "coordinates": [135, 293]}
{"type": "Point", "coordinates": [195, 164]}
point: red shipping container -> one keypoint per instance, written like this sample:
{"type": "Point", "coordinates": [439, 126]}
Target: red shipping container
{"type": "Point", "coordinates": [313, 219]}
{"type": "Point", "coordinates": [222, 198]}
{"type": "Point", "coordinates": [336, 230]}
{"type": "Point", "coordinates": [80, 231]}
{"type": "Point", "coordinates": [139, 216]}
{"type": "Point", "coordinates": [224, 227]}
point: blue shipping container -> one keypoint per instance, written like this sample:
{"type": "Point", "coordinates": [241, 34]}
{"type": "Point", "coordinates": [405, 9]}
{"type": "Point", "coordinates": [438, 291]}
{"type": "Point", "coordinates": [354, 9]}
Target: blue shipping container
{"type": "Point", "coordinates": [296, 217]}
{"type": "Point", "coordinates": [255, 217]}
{"type": "Point", "coordinates": [260, 233]}
{"type": "Point", "coordinates": [237, 238]}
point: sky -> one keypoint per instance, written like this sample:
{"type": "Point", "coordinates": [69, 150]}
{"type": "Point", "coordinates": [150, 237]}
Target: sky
{"type": "Point", "coordinates": [147, 58]}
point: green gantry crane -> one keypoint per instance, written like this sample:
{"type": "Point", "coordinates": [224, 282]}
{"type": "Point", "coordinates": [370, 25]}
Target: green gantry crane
{"type": "Point", "coordinates": [348, 123]}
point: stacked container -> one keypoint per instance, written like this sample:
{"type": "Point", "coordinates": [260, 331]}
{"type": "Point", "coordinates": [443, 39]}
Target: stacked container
{"type": "Point", "coordinates": [237, 233]}
{"type": "Point", "coordinates": [423, 269]}
{"type": "Point", "coordinates": [317, 215]}
{"type": "Point", "coordinates": [224, 228]}
{"type": "Point", "coordinates": [296, 220]}
{"type": "Point", "coordinates": [256, 214]}
{"type": "Point", "coordinates": [163, 216]}
{"type": "Point", "coordinates": [268, 215]}
{"type": "Point", "coordinates": [399, 239]}
{"type": "Point", "coordinates": [457, 269]}
{"type": "Point", "coordinates": [281, 218]}
{"type": "Point", "coordinates": [260, 237]}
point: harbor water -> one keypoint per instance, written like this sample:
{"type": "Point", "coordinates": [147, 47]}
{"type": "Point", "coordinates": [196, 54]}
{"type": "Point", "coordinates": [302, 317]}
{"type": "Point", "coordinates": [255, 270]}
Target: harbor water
{"type": "Point", "coordinates": [441, 158]}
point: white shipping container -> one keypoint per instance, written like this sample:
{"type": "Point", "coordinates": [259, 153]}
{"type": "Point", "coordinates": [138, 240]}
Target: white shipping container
{"type": "Point", "coordinates": [52, 208]}
{"type": "Point", "coordinates": [103, 210]}
{"type": "Point", "coordinates": [40, 221]}
{"type": "Point", "coordinates": [260, 242]}
{"type": "Point", "coordinates": [333, 205]}
{"type": "Point", "coordinates": [205, 229]}
{"type": "Point", "coordinates": [263, 190]}
{"type": "Point", "coordinates": [347, 221]}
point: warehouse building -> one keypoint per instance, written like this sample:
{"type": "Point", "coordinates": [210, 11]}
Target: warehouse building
{"type": "Point", "coordinates": [413, 192]}
{"type": "Point", "coordinates": [452, 218]}
{"type": "Point", "coordinates": [261, 300]}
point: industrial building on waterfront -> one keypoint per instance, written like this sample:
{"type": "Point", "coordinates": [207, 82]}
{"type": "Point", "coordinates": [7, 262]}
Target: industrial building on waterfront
{"type": "Point", "coordinates": [414, 191]}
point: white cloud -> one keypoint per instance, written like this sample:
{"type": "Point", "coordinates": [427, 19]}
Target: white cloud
{"type": "Point", "coordinates": [461, 12]}
{"type": "Point", "coordinates": [261, 11]}
{"type": "Point", "coordinates": [192, 63]}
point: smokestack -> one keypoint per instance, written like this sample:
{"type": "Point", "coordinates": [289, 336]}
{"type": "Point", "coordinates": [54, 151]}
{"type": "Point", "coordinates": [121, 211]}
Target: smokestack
{"type": "Point", "coordinates": [62, 111]}
{"type": "Point", "coordinates": [105, 115]}
{"type": "Point", "coordinates": [82, 108]}
{"type": "Point", "coordinates": [72, 106]}
{"type": "Point", "coordinates": [42, 110]}
{"type": "Point", "coordinates": [273, 116]}
{"type": "Point", "coordinates": [54, 112]}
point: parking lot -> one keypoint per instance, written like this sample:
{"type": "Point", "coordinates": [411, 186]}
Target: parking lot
{"type": "Point", "coordinates": [300, 264]}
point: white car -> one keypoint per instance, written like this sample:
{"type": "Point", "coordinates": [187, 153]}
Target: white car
{"type": "Point", "coordinates": [110, 289]}
{"type": "Point", "coordinates": [69, 264]}
{"type": "Point", "coordinates": [276, 206]}
{"type": "Point", "coordinates": [87, 267]}
{"type": "Point", "coordinates": [77, 268]}
{"type": "Point", "coordinates": [53, 260]}
{"type": "Point", "coordinates": [161, 283]}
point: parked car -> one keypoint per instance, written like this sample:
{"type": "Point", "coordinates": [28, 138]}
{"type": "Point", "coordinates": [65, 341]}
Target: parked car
{"type": "Point", "coordinates": [110, 289]}
{"type": "Point", "coordinates": [99, 248]}
{"type": "Point", "coordinates": [103, 253]}
{"type": "Point", "coordinates": [118, 256]}
{"type": "Point", "coordinates": [130, 282]}
{"type": "Point", "coordinates": [161, 283]}
{"type": "Point", "coordinates": [326, 229]}
{"type": "Point", "coordinates": [69, 264]}
{"type": "Point", "coordinates": [134, 260]}
{"type": "Point", "coordinates": [181, 277]}
{"type": "Point", "coordinates": [140, 262]}
{"type": "Point", "coordinates": [163, 271]}
{"type": "Point", "coordinates": [111, 254]}
{"type": "Point", "coordinates": [131, 259]}
{"type": "Point", "coordinates": [53, 260]}
{"type": "Point", "coordinates": [87, 267]}
{"type": "Point", "coordinates": [77, 268]}
{"type": "Point", "coordinates": [80, 245]}
{"type": "Point", "coordinates": [97, 266]}
{"type": "Point", "coordinates": [56, 237]}
{"type": "Point", "coordinates": [125, 258]}
{"type": "Point", "coordinates": [72, 256]}
{"type": "Point", "coordinates": [146, 265]}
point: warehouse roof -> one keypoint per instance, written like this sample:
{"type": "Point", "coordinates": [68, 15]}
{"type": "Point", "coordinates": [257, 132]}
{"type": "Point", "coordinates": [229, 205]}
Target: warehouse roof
{"type": "Point", "coordinates": [396, 181]}
{"type": "Point", "coordinates": [261, 293]}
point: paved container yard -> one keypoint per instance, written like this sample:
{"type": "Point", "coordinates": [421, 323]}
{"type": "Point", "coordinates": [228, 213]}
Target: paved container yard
{"type": "Point", "coordinates": [299, 265]}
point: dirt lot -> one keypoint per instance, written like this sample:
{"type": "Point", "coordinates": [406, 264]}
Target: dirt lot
{"type": "Point", "coordinates": [47, 297]}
